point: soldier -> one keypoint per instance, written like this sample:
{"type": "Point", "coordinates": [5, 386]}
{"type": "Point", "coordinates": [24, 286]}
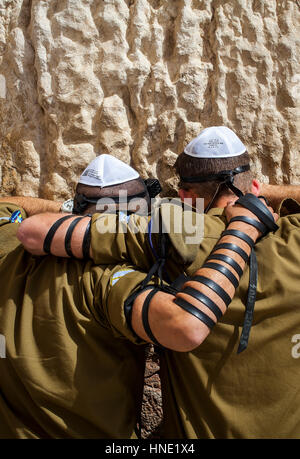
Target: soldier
{"type": "Point", "coordinates": [210, 390]}
{"type": "Point", "coordinates": [73, 365]}
{"type": "Point", "coordinates": [70, 367]}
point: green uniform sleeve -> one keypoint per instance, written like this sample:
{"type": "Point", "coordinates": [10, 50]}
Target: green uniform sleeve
{"type": "Point", "coordinates": [10, 217]}
{"type": "Point", "coordinates": [117, 284]}
{"type": "Point", "coordinates": [114, 240]}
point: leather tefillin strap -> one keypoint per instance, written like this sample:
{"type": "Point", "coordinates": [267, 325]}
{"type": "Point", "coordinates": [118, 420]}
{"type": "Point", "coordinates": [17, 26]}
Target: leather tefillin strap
{"type": "Point", "coordinates": [69, 235]}
{"type": "Point", "coordinates": [220, 176]}
{"type": "Point", "coordinates": [87, 241]}
{"type": "Point", "coordinates": [225, 178]}
{"type": "Point", "coordinates": [86, 238]}
{"type": "Point", "coordinates": [157, 268]}
{"type": "Point", "coordinates": [265, 225]}
{"type": "Point", "coordinates": [203, 298]}
{"type": "Point", "coordinates": [81, 202]}
{"type": "Point", "coordinates": [253, 204]}
{"type": "Point", "coordinates": [52, 231]}
{"type": "Point", "coordinates": [145, 314]}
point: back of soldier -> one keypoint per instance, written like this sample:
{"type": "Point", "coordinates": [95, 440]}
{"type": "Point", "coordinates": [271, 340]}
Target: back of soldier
{"type": "Point", "coordinates": [213, 392]}
{"type": "Point", "coordinates": [64, 373]}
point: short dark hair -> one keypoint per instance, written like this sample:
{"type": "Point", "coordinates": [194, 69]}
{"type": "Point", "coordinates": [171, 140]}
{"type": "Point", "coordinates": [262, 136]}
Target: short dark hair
{"type": "Point", "coordinates": [132, 187]}
{"type": "Point", "coordinates": [189, 166]}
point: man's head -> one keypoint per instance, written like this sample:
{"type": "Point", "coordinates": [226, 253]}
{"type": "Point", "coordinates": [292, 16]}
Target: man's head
{"type": "Point", "coordinates": [108, 184]}
{"type": "Point", "coordinates": [215, 166]}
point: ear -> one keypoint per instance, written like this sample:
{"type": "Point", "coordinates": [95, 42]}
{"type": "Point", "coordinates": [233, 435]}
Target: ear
{"type": "Point", "coordinates": [255, 187]}
{"type": "Point", "coordinates": [183, 194]}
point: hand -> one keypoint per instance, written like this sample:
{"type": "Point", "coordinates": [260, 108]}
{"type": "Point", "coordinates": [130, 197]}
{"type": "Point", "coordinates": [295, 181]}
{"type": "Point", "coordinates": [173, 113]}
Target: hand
{"type": "Point", "coordinates": [233, 210]}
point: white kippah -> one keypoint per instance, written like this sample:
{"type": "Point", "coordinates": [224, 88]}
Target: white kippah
{"type": "Point", "coordinates": [106, 170]}
{"type": "Point", "coordinates": [215, 142]}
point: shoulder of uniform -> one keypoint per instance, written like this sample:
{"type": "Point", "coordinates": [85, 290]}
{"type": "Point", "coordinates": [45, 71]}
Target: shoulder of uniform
{"type": "Point", "coordinates": [288, 206]}
{"type": "Point", "coordinates": [12, 212]}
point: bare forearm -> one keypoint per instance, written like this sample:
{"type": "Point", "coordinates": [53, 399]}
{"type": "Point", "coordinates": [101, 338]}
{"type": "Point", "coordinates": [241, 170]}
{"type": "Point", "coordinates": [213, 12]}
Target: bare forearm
{"type": "Point", "coordinates": [218, 277]}
{"type": "Point", "coordinates": [183, 321]}
{"type": "Point", "coordinates": [33, 231]}
{"type": "Point", "coordinates": [185, 332]}
{"type": "Point", "coordinates": [32, 205]}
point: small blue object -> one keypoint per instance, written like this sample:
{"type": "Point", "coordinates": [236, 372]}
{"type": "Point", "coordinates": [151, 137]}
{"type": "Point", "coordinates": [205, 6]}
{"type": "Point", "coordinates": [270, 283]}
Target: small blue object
{"type": "Point", "coordinates": [123, 217]}
{"type": "Point", "coordinates": [16, 216]}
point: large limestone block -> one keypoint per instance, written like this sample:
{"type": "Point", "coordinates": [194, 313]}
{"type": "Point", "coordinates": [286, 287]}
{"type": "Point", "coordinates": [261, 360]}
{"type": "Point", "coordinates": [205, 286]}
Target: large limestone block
{"type": "Point", "coordinates": [138, 79]}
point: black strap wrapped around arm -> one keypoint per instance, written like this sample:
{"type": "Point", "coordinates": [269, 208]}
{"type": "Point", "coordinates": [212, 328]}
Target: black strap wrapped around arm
{"type": "Point", "coordinates": [258, 225]}
{"type": "Point", "coordinates": [251, 297]}
{"type": "Point", "coordinates": [252, 203]}
{"type": "Point", "coordinates": [214, 287]}
{"type": "Point", "coordinates": [195, 312]}
{"type": "Point", "coordinates": [230, 261]}
{"type": "Point", "coordinates": [52, 231]}
{"type": "Point", "coordinates": [178, 283]}
{"type": "Point", "coordinates": [222, 269]}
{"type": "Point", "coordinates": [145, 314]}
{"type": "Point", "coordinates": [204, 300]}
{"type": "Point", "coordinates": [69, 235]}
{"type": "Point", "coordinates": [240, 235]}
{"type": "Point", "coordinates": [235, 248]}
{"type": "Point", "coordinates": [129, 303]}
{"type": "Point", "coordinates": [87, 241]}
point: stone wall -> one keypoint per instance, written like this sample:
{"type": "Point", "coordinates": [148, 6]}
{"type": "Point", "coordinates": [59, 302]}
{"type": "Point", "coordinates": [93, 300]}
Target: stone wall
{"type": "Point", "coordinates": [139, 79]}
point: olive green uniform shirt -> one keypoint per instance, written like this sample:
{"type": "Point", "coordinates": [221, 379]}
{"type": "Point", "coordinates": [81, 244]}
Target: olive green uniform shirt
{"type": "Point", "coordinates": [213, 392]}
{"type": "Point", "coordinates": [70, 366]}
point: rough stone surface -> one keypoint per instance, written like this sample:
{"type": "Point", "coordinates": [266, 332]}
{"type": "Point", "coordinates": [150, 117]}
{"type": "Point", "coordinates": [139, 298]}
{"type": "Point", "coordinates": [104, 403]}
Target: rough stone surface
{"type": "Point", "coordinates": [139, 79]}
{"type": "Point", "coordinates": [152, 413]}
